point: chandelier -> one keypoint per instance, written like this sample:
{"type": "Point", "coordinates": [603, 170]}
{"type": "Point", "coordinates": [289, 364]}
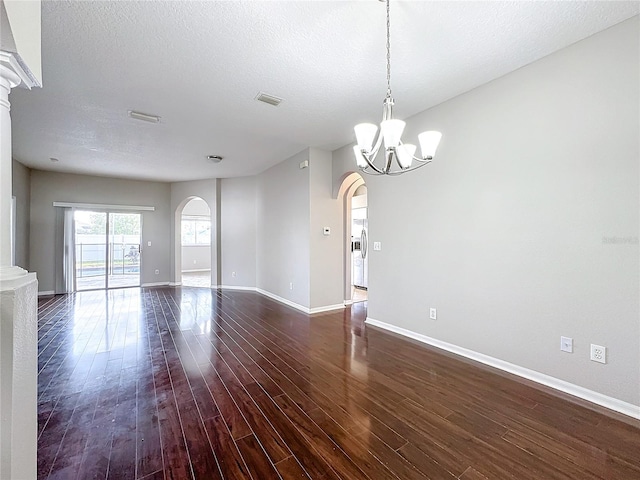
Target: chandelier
{"type": "Point", "coordinates": [368, 145]}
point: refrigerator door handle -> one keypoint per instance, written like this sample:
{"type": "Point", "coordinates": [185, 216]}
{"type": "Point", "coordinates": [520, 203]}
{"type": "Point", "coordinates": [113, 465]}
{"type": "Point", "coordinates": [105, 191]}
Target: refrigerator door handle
{"type": "Point", "coordinates": [363, 243]}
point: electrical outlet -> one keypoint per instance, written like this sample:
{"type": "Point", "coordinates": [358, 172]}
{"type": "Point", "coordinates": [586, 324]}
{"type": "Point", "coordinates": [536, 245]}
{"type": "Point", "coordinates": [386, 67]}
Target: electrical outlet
{"type": "Point", "coordinates": [233, 274]}
{"type": "Point", "coordinates": [432, 314]}
{"type": "Point", "coordinates": [157, 272]}
{"type": "Point", "coordinates": [291, 286]}
{"type": "Point", "coordinates": [195, 262]}
{"type": "Point", "coordinates": [566, 344]}
{"type": "Point", "coordinates": [598, 353]}
{"type": "Point", "coordinates": [377, 246]}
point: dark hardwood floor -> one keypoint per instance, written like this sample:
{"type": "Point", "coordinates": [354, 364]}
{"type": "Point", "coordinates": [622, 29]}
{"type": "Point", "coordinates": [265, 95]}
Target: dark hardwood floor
{"type": "Point", "coordinates": [171, 383]}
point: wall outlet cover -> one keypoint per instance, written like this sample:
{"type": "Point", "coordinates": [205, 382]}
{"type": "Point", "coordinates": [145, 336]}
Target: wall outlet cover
{"type": "Point", "coordinates": [566, 344]}
{"type": "Point", "coordinates": [433, 314]}
{"type": "Point", "coordinates": [598, 353]}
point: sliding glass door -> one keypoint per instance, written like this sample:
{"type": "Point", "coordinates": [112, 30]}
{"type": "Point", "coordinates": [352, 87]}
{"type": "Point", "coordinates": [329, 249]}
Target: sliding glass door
{"type": "Point", "coordinates": [107, 249]}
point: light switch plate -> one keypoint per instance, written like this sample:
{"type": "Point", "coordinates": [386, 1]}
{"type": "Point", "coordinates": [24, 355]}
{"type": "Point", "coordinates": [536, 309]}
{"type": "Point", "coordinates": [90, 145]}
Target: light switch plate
{"type": "Point", "coordinates": [566, 344]}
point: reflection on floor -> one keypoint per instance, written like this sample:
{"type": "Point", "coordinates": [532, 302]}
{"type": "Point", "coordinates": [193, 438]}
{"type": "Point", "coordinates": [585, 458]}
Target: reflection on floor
{"type": "Point", "coordinates": [358, 294]}
{"type": "Point", "coordinates": [115, 281]}
{"type": "Point", "coordinates": [184, 383]}
{"type": "Point", "coordinates": [197, 279]}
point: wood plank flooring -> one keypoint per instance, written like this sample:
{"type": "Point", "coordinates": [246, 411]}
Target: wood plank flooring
{"type": "Point", "coordinates": [182, 383]}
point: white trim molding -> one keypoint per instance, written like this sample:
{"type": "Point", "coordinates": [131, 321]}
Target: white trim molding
{"type": "Point", "coordinates": [14, 62]}
{"type": "Point", "coordinates": [547, 380]}
{"type": "Point", "coordinates": [46, 293]}
{"type": "Point", "coordinates": [297, 306]}
{"type": "Point", "coordinates": [155, 284]}
{"type": "Point", "coordinates": [236, 287]}
{"type": "Point", "coordinates": [327, 308]}
{"type": "Point", "coordinates": [103, 206]}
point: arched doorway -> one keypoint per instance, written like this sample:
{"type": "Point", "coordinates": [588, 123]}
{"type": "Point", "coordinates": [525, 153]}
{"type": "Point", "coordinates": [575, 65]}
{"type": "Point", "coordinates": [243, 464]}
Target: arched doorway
{"type": "Point", "coordinates": [353, 185]}
{"type": "Point", "coordinates": [359, 245]}
{"type": "Point", "coordinates": [195, 243]}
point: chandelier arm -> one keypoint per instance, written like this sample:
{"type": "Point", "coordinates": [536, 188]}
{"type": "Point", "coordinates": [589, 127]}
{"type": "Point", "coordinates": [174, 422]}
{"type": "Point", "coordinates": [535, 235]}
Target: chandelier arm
{"type": "Point", "coordinates": [372, 165]}
{"type": "Point", "coordinates": [390, 153]}
{"type": "Point", "coordinates": [411, 169]}
{"type": "Point", "coordinates": [377, 144]}
{"type": "Point", "coordinates": [423, 160]}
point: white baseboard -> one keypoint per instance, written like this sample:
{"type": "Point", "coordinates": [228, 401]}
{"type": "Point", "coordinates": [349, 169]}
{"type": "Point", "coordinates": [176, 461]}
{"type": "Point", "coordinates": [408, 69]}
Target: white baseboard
{"type": "Point", "coordinates": [326, 308]}
{"type": "Point", "coordinates": [46, 293]}
{"type": "Point", "coordinates": [297, 306]}
{"type": "Point", "coordinates": [561, 385]}
{"type": "Point", "coordinates": [197, 270]}
{"type": "Point", "coordinates": [155, 284]}
{"type": "Point", "coordinates": [237, 287]}
{"type": "Point", "coordinates": [277, 298]}
{"type": "Point", "coordinates": [174, 284]}
{"type": "Point", "coordinates": [348, 302]}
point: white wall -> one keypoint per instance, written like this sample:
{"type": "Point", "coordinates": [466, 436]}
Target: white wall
{"type": "Point", "coordinates": [525, 227]}
{"type": "Point", "coordinates": [326, 252]}
{"type": "Point", "coordinates": [238, 227]}
{"type": "Point", "coordinates": [196, 207]}
{"type": "Point", "coordinates": [49, 187]}
{"type": "Point", "coordinates": [282, 251]}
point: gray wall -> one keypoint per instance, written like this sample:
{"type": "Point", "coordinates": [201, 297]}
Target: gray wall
{"type": "Point", "coordinates": [21, 177]}
{"type": "Point", "coordinates": [49, 187]}
{"type": "Point", "coordinates": [196, 257]}
{"type": "Point", "coordinates": [326, 252]}
{"type": "Point", "coordinates": [525, 227]}
{"type": "Point", "coordinates": [283, 230]}
{"type": "Point", "coordinates": [238, 227]}
{"type": "Point", "coordinates": [181, 193]}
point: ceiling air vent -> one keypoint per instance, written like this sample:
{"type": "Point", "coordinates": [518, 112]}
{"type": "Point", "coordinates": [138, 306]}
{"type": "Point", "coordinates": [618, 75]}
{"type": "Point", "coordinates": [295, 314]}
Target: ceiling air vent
{"type": "Point", "coordinates": [270, 99]}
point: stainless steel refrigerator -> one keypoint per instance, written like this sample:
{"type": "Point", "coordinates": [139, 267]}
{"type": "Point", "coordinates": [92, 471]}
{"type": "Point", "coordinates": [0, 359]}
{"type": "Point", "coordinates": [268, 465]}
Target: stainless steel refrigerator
{"type": "Point", "coordinates": [359, 247]}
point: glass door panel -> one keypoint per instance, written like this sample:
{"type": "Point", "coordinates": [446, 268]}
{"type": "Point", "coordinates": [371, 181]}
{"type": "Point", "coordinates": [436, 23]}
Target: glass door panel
{"type": "Point", "coordinates": [91, 249]}
{"type": "Point", "coordinates": [124, 249]}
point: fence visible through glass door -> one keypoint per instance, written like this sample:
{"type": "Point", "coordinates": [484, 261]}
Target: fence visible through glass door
{"type": "Point", "coordinates": [107, 249]}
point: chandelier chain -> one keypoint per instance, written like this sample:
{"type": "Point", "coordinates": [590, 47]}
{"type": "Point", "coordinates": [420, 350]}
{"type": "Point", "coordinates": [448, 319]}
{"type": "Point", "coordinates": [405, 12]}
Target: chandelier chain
{"type": "Point", "coordinates": [388, 52]}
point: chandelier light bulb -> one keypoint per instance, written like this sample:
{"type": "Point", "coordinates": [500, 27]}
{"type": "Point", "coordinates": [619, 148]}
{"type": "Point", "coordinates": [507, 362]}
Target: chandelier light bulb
{"type": "Point", "coordinates": [392, 132]}
{"type": "Point", "coordinates": [405, 155]}
{"type": "Point", "coordinates": [360, 160]}
{"type": "Point", "coordinates": [429, 143]}
{"type": "Point", "coordinates": [365, 135]}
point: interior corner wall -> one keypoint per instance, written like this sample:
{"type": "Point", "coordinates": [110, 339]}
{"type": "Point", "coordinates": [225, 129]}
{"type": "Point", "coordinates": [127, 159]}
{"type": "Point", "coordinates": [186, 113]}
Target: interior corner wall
{"type": "Point", "coordinates": [282, 251]}
{"type": "Point", "coordinates": [326, 251]}
{"type": "Point", "coordinates": [525, 227]}
{"type": "Point", "coordinates": [21, 177]}
{"type": "Point", "coordinates": [180, 193]}
{"type": "Point", "coordinates": [49, 187]}
{"type": "Point", "coordinates": [238, 228]}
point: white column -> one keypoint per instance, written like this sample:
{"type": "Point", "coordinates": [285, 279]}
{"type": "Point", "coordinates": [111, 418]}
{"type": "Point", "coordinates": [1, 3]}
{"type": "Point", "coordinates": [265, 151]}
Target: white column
{"type": "Point", "coordinates": [18, 318]}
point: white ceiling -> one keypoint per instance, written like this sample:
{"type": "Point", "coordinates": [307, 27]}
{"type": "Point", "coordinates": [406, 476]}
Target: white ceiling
{"type": "Point", "coordinates": [199, 66]}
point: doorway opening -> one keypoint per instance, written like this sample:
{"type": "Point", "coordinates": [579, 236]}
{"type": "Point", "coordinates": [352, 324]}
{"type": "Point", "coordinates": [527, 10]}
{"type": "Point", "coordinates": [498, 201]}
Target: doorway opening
{"type": "Point", "coordinates": [359, 245]}
{"type": "Point", "coordinates": [195, 244]}
{"type": "Point", "coordinates": [107, 249]}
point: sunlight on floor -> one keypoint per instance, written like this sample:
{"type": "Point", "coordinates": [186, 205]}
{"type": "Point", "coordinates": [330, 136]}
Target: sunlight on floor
{"type": "Point", "coordinates": [197, 279]}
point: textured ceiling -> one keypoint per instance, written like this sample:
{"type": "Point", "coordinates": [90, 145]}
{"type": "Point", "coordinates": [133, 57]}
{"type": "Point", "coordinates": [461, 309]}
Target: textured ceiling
{"type": "Point", "coordinates": [199, 66]}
